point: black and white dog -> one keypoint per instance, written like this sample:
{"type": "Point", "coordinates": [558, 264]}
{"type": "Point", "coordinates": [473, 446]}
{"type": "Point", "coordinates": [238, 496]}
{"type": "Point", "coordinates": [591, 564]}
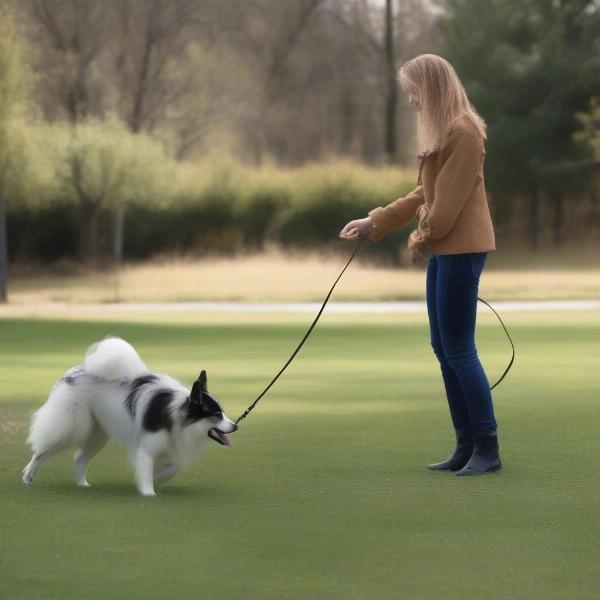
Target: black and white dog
{"type": "Point", "coordinates": [113, 394]}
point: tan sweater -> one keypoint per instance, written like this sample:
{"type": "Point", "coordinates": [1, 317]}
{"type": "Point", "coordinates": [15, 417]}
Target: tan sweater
{"type": "Point", "coordinates": [449, 200]}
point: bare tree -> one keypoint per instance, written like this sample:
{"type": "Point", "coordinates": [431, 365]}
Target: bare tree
{"type": "Point", "coordinates": [294, 80]}
{"type": "Point", "coordinates": [150, 34]}
{"type": "Point", "coordinates": [70, 34]}
{"type": "Point", "coordinates": [267, 34]}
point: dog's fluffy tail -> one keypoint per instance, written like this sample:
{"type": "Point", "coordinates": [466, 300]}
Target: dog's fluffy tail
{"type": "Point", "coordinates": [114, 359]}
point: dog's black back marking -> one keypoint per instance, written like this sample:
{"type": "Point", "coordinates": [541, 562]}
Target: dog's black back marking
{"type": "Point", "coordinates": [157, 414]}
{"type": "Point", "coordinates": [136, 384]}
{"type": "Point", "coordinates": [72, 375]}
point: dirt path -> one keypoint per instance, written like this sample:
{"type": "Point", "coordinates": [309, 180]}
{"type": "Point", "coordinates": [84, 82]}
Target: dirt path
{"type": "Point", "coordinates": [62, 309]}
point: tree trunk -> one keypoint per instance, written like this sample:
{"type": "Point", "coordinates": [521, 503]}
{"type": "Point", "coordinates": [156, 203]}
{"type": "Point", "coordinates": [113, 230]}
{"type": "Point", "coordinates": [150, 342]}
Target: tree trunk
{"type": "Point", "coordinates": [119, 235]}
{"type": "Point", "coordinates": [347, 120]}
{"type": "Point", "coordinates": [3, 253]}
{"type": "Point", "coordinates": [88, 233]}
{"type": "Point", "coordinates": [534, 218]}
{"type": "Point", "coordinates": [392, 90]}
{"type": "Point", "coordinates": [557, 220]}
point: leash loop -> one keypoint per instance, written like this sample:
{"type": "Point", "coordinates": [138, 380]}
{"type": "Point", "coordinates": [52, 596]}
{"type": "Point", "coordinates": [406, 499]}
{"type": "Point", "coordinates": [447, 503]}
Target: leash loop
{"type": "Point", "coordinates": [511, 343]}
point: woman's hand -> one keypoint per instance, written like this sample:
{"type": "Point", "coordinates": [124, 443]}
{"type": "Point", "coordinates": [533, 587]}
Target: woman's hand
{"type": "Point", "coordinates": [352, 230]}
{"type": "Point", "coordinates": [418, 249]}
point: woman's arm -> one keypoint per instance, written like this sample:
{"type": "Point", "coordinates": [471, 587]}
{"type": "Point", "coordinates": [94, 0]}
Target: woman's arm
{"type": "Point", "coordinates": [396, 214]}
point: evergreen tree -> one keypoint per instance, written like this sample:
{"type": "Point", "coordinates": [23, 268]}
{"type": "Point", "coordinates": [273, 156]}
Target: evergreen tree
{"type": "Point", "coordinates": [529, 66]}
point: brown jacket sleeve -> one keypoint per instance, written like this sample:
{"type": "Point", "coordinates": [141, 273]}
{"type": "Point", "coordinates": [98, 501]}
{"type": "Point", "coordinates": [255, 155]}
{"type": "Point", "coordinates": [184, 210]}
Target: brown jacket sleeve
{"type": "Point", "coordinates": [396, 214]}
{"type": "Point", "coordinates": [453, 184]}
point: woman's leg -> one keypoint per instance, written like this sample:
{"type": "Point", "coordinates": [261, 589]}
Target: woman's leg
{"type": "Point", "coordinates": [456, 399]}
{"type": "Point", "coordinates": [456, 305]}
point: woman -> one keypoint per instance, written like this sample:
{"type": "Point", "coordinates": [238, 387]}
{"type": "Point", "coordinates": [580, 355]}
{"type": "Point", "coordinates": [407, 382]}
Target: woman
{"type": "Point", "coordinates": [455, 230]}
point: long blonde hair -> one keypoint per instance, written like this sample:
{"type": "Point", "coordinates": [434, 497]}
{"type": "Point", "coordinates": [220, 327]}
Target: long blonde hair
{"type": "Point", "coordinates": [443, 99]}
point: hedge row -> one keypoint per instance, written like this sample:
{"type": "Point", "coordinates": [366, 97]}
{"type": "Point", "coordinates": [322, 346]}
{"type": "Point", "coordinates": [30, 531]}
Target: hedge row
{"type": "Point", "coordinates": [240, 212]}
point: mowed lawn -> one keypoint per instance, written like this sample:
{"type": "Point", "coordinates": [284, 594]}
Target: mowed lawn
{"type": "Point", "coordinates": [325, 493]}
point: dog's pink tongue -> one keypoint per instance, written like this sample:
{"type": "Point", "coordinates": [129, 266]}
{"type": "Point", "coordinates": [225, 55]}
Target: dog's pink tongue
{"type": "Point", "coordinates": [222, 437]}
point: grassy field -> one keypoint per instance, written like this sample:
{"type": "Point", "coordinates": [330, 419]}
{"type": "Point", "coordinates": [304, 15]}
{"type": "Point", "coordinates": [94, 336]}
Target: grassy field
{"type": "Point", "coordinates": [325, 493]}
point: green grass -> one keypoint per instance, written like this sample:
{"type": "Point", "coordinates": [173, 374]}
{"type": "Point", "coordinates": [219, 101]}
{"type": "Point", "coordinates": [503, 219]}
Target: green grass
{"type": "Point", "coordinates": [325, 493]}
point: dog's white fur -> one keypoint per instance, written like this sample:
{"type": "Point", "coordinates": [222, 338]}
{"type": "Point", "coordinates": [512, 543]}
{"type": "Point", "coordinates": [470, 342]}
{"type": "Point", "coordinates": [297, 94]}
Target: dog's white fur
{"type": "Point", "coordinates": [89, 405]}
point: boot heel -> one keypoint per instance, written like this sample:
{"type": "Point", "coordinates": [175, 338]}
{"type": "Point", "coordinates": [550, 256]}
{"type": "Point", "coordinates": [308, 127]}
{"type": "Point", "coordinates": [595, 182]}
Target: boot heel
{"type": "Point", "coordinates": [486, 456]}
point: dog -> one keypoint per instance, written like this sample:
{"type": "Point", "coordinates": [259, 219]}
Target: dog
{"type": "Point", "coordinates": [163, 424]}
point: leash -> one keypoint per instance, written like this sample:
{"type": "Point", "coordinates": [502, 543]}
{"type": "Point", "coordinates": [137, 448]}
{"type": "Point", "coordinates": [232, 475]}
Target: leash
{"type": "Point", "coordinates": [360, 239]}
{"type": "Point", "coordinates": [251, 407]}
{"type": "Point", "coordinates": [511, 343]}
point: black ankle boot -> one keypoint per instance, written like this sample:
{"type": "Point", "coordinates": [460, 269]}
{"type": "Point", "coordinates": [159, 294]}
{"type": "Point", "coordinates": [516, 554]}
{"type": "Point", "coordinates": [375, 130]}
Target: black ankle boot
{"type": "Point", "coordinates": [461, 455]}
{"type": "Point", "coordinates": [486, 457]}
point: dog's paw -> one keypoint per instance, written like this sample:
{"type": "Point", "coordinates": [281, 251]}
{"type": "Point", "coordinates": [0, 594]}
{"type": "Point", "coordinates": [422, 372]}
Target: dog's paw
{"type": "Point", "coordinates": [26, 478]}
{"type": "Point", "coordinates": [84, 484]}
{"type": "Point", "coordinates": [148, 493]}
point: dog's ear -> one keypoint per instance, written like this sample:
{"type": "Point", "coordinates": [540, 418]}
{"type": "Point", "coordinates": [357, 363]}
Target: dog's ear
{"type": "Point", "coordinates": [196, 393]}
{"type": "Point", "coordinates": [203, 381]}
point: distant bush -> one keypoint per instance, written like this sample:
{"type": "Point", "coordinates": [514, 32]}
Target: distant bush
{"type": "Point", "coordinates": [327, 197]}
{"type": "Point", "coordinates": [256, 214]}
{"type": "Point", "coordinates": [221, 207]}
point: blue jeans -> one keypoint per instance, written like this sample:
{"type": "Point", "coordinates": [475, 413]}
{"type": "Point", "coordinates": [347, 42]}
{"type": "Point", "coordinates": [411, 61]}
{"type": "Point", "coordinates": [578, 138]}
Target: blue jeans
{"type": "Point", "coordinates": [452, 287]}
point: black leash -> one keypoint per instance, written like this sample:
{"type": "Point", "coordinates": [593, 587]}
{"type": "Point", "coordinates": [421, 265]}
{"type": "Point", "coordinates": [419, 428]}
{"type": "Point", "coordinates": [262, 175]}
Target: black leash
{"type": "Point", "coordinates": [247, 411]}
{"type": "Point", "coordinates": [360, 239]}
{"type": "Point", "coordinates": [511, 343]}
